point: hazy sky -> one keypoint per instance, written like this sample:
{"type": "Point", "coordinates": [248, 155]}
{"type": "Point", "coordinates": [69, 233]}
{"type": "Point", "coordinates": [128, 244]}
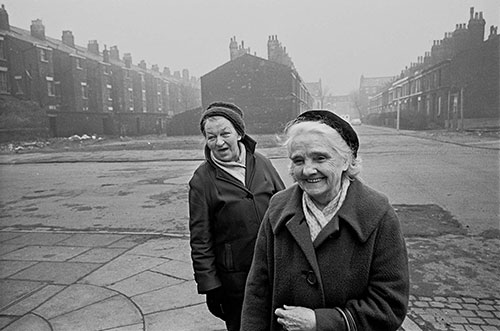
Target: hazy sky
{"type": "Point", "coordinates": [335, 41]}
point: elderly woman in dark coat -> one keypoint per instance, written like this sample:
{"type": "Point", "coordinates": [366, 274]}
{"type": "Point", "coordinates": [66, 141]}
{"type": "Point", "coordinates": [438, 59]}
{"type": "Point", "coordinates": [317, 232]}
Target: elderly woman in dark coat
{"type": "Point", "coordinates": [330, 254]}
{"type": "Point", "coordinates": [228, 196]}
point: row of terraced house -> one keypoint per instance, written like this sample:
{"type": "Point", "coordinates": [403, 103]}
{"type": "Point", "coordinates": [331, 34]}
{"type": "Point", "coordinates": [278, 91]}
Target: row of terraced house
{"type": "Point", "coordinates": [89, 90]}
{"type": "Point", "coordinates": [455, 85]}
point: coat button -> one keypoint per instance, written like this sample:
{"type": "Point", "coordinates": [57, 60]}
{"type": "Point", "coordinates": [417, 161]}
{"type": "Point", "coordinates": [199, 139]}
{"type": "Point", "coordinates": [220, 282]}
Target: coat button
{"type": "Point", "coordinates": [311, 278]}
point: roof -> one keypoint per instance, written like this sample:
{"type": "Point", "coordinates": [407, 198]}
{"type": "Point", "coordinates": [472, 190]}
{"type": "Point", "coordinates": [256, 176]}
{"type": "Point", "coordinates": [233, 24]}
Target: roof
{"type": "Point", "coordinates": [374, 81]}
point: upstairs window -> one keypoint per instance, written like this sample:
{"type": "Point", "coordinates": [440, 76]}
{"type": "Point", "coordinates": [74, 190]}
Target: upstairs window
{"type": "Point", "coordinates": [18, 81]}
{"type": "Point", "coordinates": [51, 88]}
{"type": "Point", "coordinates": [3, 81]}
{"type": "Point", "coordinates": [79, 63]}
{"type": "Point", "coordinates": [44, 55]}
{"type": "Point", "coordinates": [3, 55]}
{"type": "Point", "coordinates": [85, 90]}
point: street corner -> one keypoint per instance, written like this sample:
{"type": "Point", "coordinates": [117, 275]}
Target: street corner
{"type": "Point", "coordinates": [444, 259]}
{"type": "Point", "coordinates": [427, 220]}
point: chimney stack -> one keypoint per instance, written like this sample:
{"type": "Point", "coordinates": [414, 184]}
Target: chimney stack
{"type": "Point", "coordinates": [93, 47]}
{"type": "Point", "coordinates": [127, 58]}
{"type": "Point", "coordinates": [4, 19]}
{"type": "Point", "coordinates": [38, 29]}
{"type": "Point", "coordinates": [105, 54]}
{"type": "Point", "coordinates": [114, 54]}
{"type": "Point", "coordinates": [142, 65]}
{"type": "Point", "coordinates": [68, 38]}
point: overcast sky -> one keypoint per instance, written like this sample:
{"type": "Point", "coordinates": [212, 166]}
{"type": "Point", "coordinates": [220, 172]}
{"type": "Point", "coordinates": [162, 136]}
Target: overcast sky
{"type": "Point", "coordinates": [335, 41]}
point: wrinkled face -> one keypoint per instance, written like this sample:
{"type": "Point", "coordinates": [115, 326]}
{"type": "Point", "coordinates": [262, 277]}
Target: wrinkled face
{"type": "Point", "coordinates": [316, 167]}
{"type": "Point", "coordinates": [222, 139]}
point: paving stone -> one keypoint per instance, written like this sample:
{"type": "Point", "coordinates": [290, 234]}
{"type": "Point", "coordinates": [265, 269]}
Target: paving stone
{"type": "Point", "coordinates": [144, 282]}
{"type": "Point", "coordinates": [482, 313]}
{"type": "Point", "coordinates": [4, 236]}
{"type": "Point", "coordinates": [492, 321]}
{"type": "Point", "coordinates": [121, 268]}
{"type": "Point", "coordinates": [73, 298]}
{"type": "Point", "coordinates": [13, 290]}
{"type": "Point", "coordinates": [98, 255]}
{"type": "Point", "coordinates": [29, 303]}
{"type": "Point", "coordinates": [171, 248]}
{"type": "Point", "coordinates": [457, 327]}
{"type": "Point", "coordinates": [57, 272]}
{"type": "Point", "coordinates": [129, 241]}
{"type": "Point", "coordinates": [468, 313]}
{"type": "Point", "coordinates": [38, 238]}
{"type": "Point", "coordinates": [134, 327]}
{"type": "Point", "coordinates": [8, 268]}
{"type": "Point", "coordinates": [6, 248]}
{"type": "Point", "coordinates": [194, 318]}
{"type": "Point", "coordinates": [469, 300]}
{"type": "Point", "coordinates": [421, 304]}
{"type": "Point", "coordinates": [473, 328]}
{"type": "Point", "coordinates": [489, 328]}
{"type": "Point", "coordinates": [169, 298]}
{"type": "Point", "coordinates": [5, 320]}
{"type": "Point", "coordinates": [90, 240]}
{"type": "Point", "coordinates": [486, 307]}
{"type": "Point", "coordinates": [44, 253]}
{"type": "Point", "coordinates": [453, 305]}
{"type": "Point", "coordinates": [475, 320]}
{"type": "Point", "coordinates": [113, 312]}
{"type": "Point", "coordinates": [179, 269]}
{"type": "Point", "coordinates": [29, 322]}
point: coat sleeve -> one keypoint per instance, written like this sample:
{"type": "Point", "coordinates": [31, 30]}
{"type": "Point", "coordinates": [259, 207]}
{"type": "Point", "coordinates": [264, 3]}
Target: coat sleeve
{"type": "Point", "coordinates": [257, 314]}
{"type": "Point", "coordinates": [201, 240]}
{"type": "Point", "coordinates": [385, 304]}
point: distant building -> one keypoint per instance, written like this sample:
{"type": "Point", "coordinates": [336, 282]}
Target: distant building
{"type": "Point", "coordinates": [270, 92]}
{"type": "Point", "coordinates": [316, 90]}
{"type": "Point", "coordinates": [454, 85]}
{"type": "Point", "coordinates": [341, 105]}
{"type": "Point", "coordinates": [85, 90]}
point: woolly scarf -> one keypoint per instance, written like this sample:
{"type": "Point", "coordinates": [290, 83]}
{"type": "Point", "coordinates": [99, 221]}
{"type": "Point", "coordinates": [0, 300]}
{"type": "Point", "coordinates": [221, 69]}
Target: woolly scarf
{"type": "Point", "coordinates": [317, 219]}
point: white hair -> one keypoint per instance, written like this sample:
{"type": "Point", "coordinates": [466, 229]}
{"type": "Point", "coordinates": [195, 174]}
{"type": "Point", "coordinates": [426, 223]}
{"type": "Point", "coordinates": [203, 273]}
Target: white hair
{"type": "Point", "coordinates": [333, 138]}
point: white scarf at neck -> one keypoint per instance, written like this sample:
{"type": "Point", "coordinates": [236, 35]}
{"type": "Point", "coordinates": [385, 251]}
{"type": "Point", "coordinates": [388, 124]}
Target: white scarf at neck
{"type": "Point", "coordinates": [317, 219]}
{"type": "Point", "coordinates": [237, 168]}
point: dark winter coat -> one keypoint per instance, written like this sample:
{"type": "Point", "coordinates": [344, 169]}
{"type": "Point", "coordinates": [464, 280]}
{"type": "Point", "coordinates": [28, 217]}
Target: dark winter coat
{"type": "Point", "coordinates": [224, 219]}
{"type": "Point", "coordinates": [358, 263]}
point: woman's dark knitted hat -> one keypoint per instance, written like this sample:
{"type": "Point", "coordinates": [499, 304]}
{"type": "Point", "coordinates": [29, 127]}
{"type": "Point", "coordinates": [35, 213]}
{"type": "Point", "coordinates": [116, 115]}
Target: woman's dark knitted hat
{"type": "Point", "coordinates": [336, 122]}
{"type": "Point", "coordinates": [227, 110]}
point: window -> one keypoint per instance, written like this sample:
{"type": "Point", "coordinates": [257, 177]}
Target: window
{"type": "Point", "coordinates": [44, 55]}
{"type": "Point", "coordinates": [109, 92]}
{"type": "Point", "coordinates": [3, 80]}
{"type": "Point", "coordinates": [106, 70]}
{"type": "Point", "coordinates": [51, 88]}
{"type": "Point", "coordinates": [18, 81]}
{"type": "Point", "coordinates": [85, 90]}
{"type": "Point", "coordinates": [79, 63]}
{"type": "Point", "coordinates": [2, 49]}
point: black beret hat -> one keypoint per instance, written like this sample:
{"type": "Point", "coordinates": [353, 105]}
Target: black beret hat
{"type": "Point", "coordinates": [227, 110]}
{"type": "Point", "coordinates": [336, 122]}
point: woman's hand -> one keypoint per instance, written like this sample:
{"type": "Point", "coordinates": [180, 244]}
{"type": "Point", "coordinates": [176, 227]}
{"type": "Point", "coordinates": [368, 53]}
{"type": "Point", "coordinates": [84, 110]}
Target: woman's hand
{"type": "Point", "coordinates": [294, 318]}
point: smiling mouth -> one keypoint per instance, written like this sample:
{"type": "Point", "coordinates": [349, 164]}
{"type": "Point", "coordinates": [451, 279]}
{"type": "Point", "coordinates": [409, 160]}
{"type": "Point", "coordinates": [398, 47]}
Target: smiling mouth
{"type": "Point", "coordinates": [313, 180]}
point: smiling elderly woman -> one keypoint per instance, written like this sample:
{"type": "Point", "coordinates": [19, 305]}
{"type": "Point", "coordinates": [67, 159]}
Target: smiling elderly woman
{"type": "Point", "coordinates": [228, 196]}
{"type": "Point", "coordinates": [330, 254]}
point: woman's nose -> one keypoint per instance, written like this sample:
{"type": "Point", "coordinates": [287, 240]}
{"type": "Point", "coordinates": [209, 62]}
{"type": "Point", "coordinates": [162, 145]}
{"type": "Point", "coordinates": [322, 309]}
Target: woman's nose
{"type": "Point", "coordinates": [309, 169]}
{"type": "Point", "coordinates": [219, 141]}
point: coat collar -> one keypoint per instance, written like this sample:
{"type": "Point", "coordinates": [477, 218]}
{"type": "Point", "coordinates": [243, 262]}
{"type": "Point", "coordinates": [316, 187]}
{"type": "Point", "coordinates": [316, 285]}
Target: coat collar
{"type": "Point", "coordinates": [361, 210]}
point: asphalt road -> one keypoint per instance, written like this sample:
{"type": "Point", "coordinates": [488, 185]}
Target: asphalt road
{"type": "Point", "coordinates": [146, 191]}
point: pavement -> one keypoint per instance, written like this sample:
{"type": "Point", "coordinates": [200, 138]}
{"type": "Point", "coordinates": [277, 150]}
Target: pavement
{"type": "Point", "coordinates": [84, 280]}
